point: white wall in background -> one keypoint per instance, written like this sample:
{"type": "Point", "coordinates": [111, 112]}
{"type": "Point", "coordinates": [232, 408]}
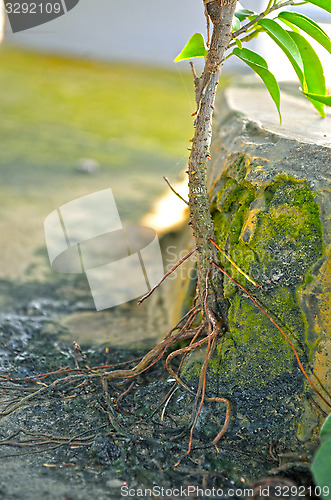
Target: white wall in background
{"type": "Point", "coordinates": [151, 31]}
{"type": "Point", "coordinates": [142, 30]}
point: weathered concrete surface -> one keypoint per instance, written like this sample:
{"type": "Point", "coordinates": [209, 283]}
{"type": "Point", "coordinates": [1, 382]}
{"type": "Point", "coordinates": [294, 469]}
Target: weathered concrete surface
{"type": "Point", "coordinates": [270, 189]}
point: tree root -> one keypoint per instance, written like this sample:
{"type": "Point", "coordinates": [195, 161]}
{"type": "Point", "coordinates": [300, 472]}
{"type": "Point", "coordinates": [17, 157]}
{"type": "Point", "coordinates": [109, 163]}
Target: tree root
{"type": "Point", "coordinates": [185, 330]}
{"type": "Point", "coordinates": [182, 331]}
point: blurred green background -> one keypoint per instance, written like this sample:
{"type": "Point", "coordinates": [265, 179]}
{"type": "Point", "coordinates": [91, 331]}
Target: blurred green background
{"type": "Point", "coordinates": [133, 120]}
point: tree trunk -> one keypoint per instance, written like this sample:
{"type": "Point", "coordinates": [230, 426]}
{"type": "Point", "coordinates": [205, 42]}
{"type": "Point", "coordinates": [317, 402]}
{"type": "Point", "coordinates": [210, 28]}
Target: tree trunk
{"type": "Point", "coordinates": [221, 13]}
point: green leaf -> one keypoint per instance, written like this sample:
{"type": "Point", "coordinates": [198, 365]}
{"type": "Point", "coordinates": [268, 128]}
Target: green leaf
{"type": "Point", "coordinates": [242, 14]}
{"type": "Point", "coordinates": [260, 66]}
{"type": "Point", "coordinates": [307, 25]}
{"type": "Point", "coordinates": [326, 427]}
{"type": "Point", "coordinates": [286, 43]}
{"type": "Point", "coordinates": [321, 467]}
{"type": "Point", "coordinates": [250, 56]}
{"type": "Point", "coordinates": [195, 47]}
{"type": "Point", "coordinates": [239, 43]}
{"type": "Point", "coordinates": [290, 25]}
{"type": "Point", "coordinates": [324, 4]}
{"type": "Point", "coordinates": [313, 71]}
{"type": "Point", "coordinates": [235, 23]}
{"type": "Point", "coordinates": [325, 99]}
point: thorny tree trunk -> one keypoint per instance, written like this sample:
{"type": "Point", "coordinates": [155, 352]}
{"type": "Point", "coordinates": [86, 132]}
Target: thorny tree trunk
{"type": "Point", "coordinates": [221, 13]}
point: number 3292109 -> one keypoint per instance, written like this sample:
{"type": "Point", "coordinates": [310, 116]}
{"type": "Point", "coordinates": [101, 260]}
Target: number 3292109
{"type": "Point", "coordinates": [33, 8]}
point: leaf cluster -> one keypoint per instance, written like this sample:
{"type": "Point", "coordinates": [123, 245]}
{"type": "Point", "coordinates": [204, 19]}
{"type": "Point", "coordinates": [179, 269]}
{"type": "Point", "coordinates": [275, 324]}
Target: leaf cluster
{"type": "Point", "coordinates": [291, 32]}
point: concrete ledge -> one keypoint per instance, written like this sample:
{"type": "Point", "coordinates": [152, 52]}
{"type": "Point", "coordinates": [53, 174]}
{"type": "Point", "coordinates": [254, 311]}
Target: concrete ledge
{"type": "Point", "coordinates": [246, 121]}
{"type": "Point", "coordinates": [301, 122]}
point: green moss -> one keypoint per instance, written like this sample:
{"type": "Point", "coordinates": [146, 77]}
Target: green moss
{"type": "Point", "coordinates": [271, 229]}
{"type": "Point", "coordinates": [273, 233]}
{"type": "Point", "coordinates": [258, 347]}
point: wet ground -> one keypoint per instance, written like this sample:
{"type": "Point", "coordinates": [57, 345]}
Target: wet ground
{"type": "Point", "coordinates": [81, 439]}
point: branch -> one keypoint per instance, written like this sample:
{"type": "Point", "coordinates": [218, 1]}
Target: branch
{"type": "Point", "coordinates": [221, 13]}
{"type": "Point", "coordinates": [268, 10]}
{"type": "Point", "coordinates": [174, 191]}
{"type": "Point", "coordinates": [140, 301]}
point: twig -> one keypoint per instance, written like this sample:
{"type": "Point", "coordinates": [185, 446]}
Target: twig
{"type": "Point", "coordinates": [244, 28]}
{"type": "Point", "coordinates": [189, 316]}
{"type": "Point", "coordinates": [324, 413]}
{"type": "Point", "coordinates": [38, 436]}
{"type": "Point", "coordinates": [31, 452]}
{"type": "Point", "coordinates": [157, 352]}
{"type": "Point", "coordinates": [174, 191]}
{"type": "Point", "coordinates": [184, 350]}
{"type": "Point", "coordinates": [76, 347]}
{"type": "Point", "coordinates": [21, 401]}
{"type": "Point", "coordinates": [80, 371]}
{"type": "Point", "coordinates": [195, 76]}
{"type": "Point", "coordinates": [41, 376]}
{"type": "Point", "coordinates": [125, 392]}
{"type": "Point", "coordinates": [207, 26]}
{"type": "Point", "coordinates": [233, 263]}
{"type": "Point", "coordinates": [213, 330]}
{"type": "Point", "coordinates": [140, 301]}
{"type": "Point", "coordinates": [68, 379]}
{"type": "Point", "coordinates": [167, 402]}
{"type": "Point", "coordinates": [246, 38]}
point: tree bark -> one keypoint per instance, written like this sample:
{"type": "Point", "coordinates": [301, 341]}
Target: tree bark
{"type": "Point", "coordinates": [221, 13]}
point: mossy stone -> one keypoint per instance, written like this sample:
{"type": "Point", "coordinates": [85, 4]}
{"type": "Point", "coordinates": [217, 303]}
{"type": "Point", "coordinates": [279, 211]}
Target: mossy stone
{"type": "Point", "coordinates": [272, 230]}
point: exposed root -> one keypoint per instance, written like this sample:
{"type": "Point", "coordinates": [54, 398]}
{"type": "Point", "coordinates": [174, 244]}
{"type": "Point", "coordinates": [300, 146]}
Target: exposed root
{"type": "Point", "coordinates": [182, 331]}
{"type": "Point", "coordinates": [40, 442]}
{"type": "Point", "coordinates": [227, 417]}
{"type": "Point", "coordinates": [166, 275]}
{"type": "Point", "coordinates": [207, 333]}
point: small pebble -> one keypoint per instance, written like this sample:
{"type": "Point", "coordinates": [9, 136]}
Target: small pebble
{"type": "Point", "coordinates": [87, 166]}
